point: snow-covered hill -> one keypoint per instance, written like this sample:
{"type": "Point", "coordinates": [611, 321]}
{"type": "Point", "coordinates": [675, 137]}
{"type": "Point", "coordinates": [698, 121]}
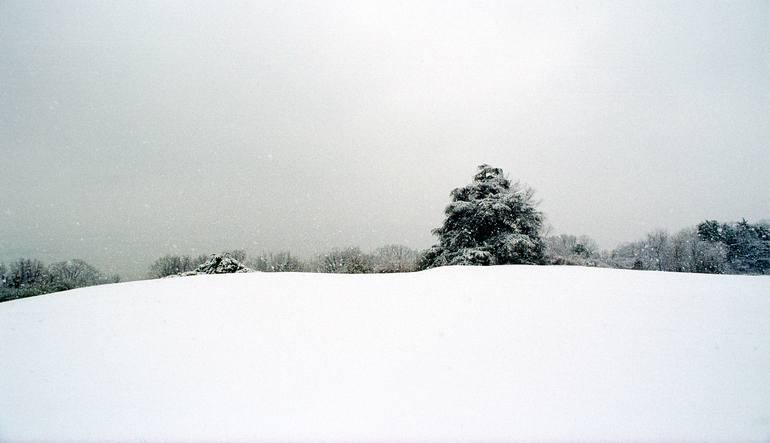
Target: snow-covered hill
{"type": "Point", "coordinates": [452, 354]}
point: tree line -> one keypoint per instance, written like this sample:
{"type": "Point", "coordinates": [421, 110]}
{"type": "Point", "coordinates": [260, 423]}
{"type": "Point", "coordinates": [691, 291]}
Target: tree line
{"type": "Point", "coordinates": [27, 277]}
{"type": "Point", "coordinates": [348, 260]}
{"type": "Point", "coordinates": [710, 247]}
{"type": "Point", "coordinates": [491, 221]}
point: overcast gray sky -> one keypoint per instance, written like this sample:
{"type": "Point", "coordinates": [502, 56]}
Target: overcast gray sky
{"type": "Point", "coordinates": [133, 129]}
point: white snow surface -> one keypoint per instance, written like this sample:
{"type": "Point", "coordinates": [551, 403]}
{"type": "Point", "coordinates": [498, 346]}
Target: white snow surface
{"type": "Point", "coordinates": [508, 353]}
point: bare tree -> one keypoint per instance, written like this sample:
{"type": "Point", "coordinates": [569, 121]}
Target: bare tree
{"type": "Point", "coordinates": [571, 250]}
{"type": "Point", "coordinates": [394, 258]}
{"type": "Point", "coordinates": [345, 261]}
{"type": "Point", "coordinates": [172, 265]}
{"type": "Point", "coordinates": [277, 262]}
{"type": "Point", "coordinates": [72, 274]}
{"type": "Point", "coordinates": [659, 249]}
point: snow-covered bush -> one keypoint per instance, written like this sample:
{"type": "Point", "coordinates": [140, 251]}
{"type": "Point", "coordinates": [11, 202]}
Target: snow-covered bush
{"type": "Point", "coordinates": [223, 263]}
{"type": "Point", "coordinates": [183, 265]}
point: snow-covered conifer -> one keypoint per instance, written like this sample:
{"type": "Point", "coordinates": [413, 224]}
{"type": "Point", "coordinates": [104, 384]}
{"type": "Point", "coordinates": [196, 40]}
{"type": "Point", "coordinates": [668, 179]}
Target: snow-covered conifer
{"type": "Point", "coordinates": [489, 222]}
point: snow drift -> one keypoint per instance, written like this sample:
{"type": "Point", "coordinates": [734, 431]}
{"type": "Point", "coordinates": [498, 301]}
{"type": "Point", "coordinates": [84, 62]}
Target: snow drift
{"type": "Point", "coordinates": [452, 354]}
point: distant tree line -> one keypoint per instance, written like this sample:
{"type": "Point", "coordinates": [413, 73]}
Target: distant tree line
{"type": "Point", "coordinates": [491, 221]}
{"type": "Point", "coordinates": [26, 277]}
{"type": "Point", "coordinates": [710, 247]}
{"type": "Point", "coordinates": [349, 260]}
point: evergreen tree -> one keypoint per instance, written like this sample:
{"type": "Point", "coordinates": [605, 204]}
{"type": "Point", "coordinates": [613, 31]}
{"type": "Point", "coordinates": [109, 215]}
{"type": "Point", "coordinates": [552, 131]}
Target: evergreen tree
{"type": "Point", "coordinates": [489, 222]}
{"type": "Point", "coordinates": [710, 230]}
{"type": "Point", "coordinates": [751, 248]}
{"type": "Point", "coordinates": [25, 272]}
{"type": "Point", "coordinates": [747, 245]}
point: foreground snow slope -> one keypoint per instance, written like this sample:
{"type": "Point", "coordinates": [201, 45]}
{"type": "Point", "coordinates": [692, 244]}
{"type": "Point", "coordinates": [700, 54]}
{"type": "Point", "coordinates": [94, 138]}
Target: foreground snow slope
{"type": "Point", "coordinates": [451, 354]}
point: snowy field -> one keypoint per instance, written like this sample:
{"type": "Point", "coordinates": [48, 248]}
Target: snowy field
{"type": "Point", "coordinates": [510, 353]}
